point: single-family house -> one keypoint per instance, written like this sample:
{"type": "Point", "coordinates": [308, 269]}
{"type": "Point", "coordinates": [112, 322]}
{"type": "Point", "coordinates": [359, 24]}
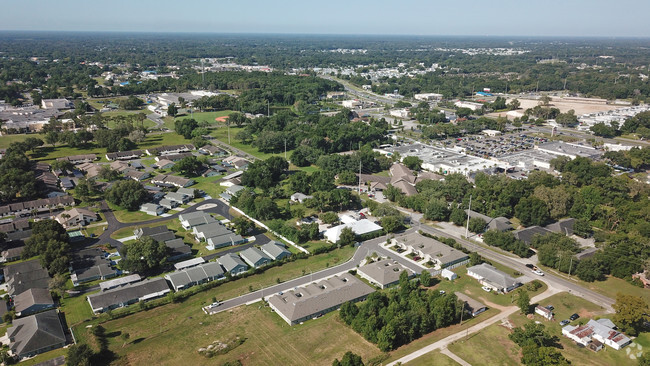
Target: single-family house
{"type": "Point", "coordinates": [472, 306]}
{"type": "Point", "coordinates": [255, 257]}
{"type": "Point", "coordinates": [124, 155]}
{"type": "Point", "coordinates": [79, 159]}
{"type": "Point", "coordinates": [232, 264]}
{"type": "Point", "coordinates": [190, 192]}
{"type": "Point", "coordinates": [118, 282]}
{"type": "Point", "coordinates": [170, 149]}
{"type": "Point", "coordinates": [203, 232]}
{"type": "Point", "coordinates": [491, 277]}
{"type": "Point", "coordinates": [196, 275]}
{"type": "Point", "coordinates": [196, 218]}
{"type": "Point", "coordinates": [601, 330]}
{"type": "Point", "coordinates": [300, 197]}
{"type": "Point", "coordinates": [36, 334]}
{"type": "Point", "coordinates": [499, 223]}
{"type": "Point", "coordinates": [544, 312]}
{"type": "Point", "coordinates": [564, 226]}
{"type": "Point", "coordinates": [76, 217]}
{"type": "Point", "coordinates": [383, 273]}
{"type": "Point", "coordinates": [13, 254]}
{"type": "Point", "coordinates": [220, 241]}
{"type": "Point", "coordinates": [275, 250]}
{"type": "Point", "coordinates": [178, 248]}
{"type": "Point", "coordinates": [178, 197]}
{"type": "Point", "coordinates": [445, 273]}
{"type": "Point", "coordinates": [163, 164]}
{"type": "Point", "coordinates": [168, 204]}
{"type": "Point", "coordinates": [22, 276]}
{"type": "Point", "coordinates": [189, 263]}
{"type": "Point", "coordinates": [171, 181]}
{"type": "Point", "coordinates": [128, 294]}
{"type": "Point", "coordinates": [315, 299]}
{"type": "Point", "coordinates": [137, 175]}
{"type": "Point", "coordinates": [527, 234]}
{"type": "Point", "coordinates": [152, 209]}
{"type": "Point", "coordinates": [33, 301]}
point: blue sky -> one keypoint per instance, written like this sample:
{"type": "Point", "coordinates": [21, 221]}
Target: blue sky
{"type": "Point", "coordinates": [600, 18]}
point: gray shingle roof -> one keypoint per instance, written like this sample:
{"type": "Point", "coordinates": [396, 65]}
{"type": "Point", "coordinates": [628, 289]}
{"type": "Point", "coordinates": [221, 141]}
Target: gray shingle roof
{"type": "Point", "coordinates": [493, 276]}
{"type": "Point", "coordinates": [231, 261]}
{"type": "Point", "coordinates": [319, 297]}
{"type": "Point", "coordinates": [33, 296]}
{"type": "Point", "coordinates": [127, 293]}
{"type": "Point", "coordinates": [36, 332]}
{"type": "Point", "coordinates": [385, 271]}
{"type": "Point", "coordinates": [526, 235]}
{"type": "Point", "coordinates": [275, 251]}
{"type": "Point", "coordinates": [255, 257]}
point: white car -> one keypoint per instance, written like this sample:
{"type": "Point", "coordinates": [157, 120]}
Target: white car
{"type": "Point", "coordinates": [538, 272]}
{"type": "Point", "coordinates": [486, 289]}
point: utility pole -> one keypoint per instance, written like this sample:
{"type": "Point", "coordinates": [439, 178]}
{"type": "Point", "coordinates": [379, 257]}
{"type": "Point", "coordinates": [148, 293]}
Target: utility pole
{"type": "Point", "coordinates": [468, 211]}
{"type": "Point", "coordinates": [537, 87]}
{"type": "Point", "coordinates": [268, 108]}
{"type": "Point", "coordinates": [285, 149]}
{"type": "Point", "coordinates": [359, 169]}
{"type": "Point", "coordinates": [570, 265]}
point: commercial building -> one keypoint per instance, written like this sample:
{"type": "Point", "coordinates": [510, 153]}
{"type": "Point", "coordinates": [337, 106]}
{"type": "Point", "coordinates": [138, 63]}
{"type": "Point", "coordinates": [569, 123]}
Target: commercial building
{"type": "Point", "coordinates": [431, 250]}
{"type": "Point", "coordinates": [361, 227]}
{"type": "Point", "coordinates": [491, 277]}
{"type": "Point", "coordinates": [383, 273]}
{"type": "Point", "coordinates": [601, 330]}
{"type": "Point", "coordinates": [315, 299]}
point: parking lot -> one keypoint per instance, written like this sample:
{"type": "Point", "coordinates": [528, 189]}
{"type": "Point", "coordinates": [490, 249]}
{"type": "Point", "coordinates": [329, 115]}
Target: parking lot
{"type": "Point", "coordinates": [488, 146]}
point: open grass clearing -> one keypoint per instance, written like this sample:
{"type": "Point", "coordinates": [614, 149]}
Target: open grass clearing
{"type": "Point", "coordinates": [174, 338]}
{"type": "Point", "coordinates": [209, 117]}
{"type": "Point", "coordinates": [433, 358]}
{"type": "Point", "coordinates": [490, 346]}
{"type": "Point", "coordinates": [6, 140]}
{"type": "Point", "coordinates": [221, 134]}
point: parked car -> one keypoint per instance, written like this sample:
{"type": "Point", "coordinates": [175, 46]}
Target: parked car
{"type": "Point", "coordinates": [529, 265]}
{"type": "Point", "coordinates": [538, 272]}
{"type": "Point", "coordinates": [486, 289]}
{"type": "Point", "coordinates": [442, 292]}
{"type": "Point", "coordinates": [550, 307]}
{"type": "Point", "coordinates": [564, 322]}
{"type": "Point", "coordinates": [574, 316]}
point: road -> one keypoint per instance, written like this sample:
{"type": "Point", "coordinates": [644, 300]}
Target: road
{"type": "Point", "coordinates": [365, 249]}
{"type": "Point", "coordinates": [156, 119]}
{"type": "Point", "coordinates": [361, 94]}
{"type": "Point", "coordinates": [571, 132]}
{"type": "Point", "coordinates": [551, 280]}
{"type": "Point", "coordinates": [443, 343]}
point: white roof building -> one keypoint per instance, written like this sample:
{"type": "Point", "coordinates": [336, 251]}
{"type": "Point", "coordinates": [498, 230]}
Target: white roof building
{"type": "Point", "coordinates": [360, 227]}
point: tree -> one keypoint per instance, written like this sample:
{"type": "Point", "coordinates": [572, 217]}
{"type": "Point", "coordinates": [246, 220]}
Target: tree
{"type": "Point", "coordinates": [523, 301]}
{"type": "Point", "coordinates": [347, 237]}
{"type": "Point", "coordinates": [131, 103]}
{"type": "Point", "coordinates": [545, 100]}
{"type": "Point", "coordinates": [349, 359]}
{"type": "Point", "coordinates": [532, 211]}
{"type": "Point", "coordinates": [52, 137]}
{"type": "Point", "coordinates": [329, 217]}
{"type": "Point", "coordinates": [58, 283]}
{"type": "Point", "coordinates": [107, 173]}
{"type": "Point", "coordinates": [590, 270]}
{"type": "Point", "coordinates": [144, 254]}
{"type": "Point", "coordinates": [79, 355]}
{"type": "Point", "coordinates": [542, 356]}
{"type": "Point", "coordinates": [425, 278]}
{"type": "Point", "coordinates": [567, 119]}
{"type": "Point", "coordinates": [477, 225]}
{"type": "Point", "coordinates": [347, 177]}
{"type": "Point", "coordinates": [413, 162]}
{"type": "Point", "coordinates": [172, 110]}
{"type": "Point", "coordinates": [188, 166]}
{"type": "Point", "coordinates": [128, 194]}
{"type": "Point", "coordinates": [514, 104]}
{"type": "Point", "coordinates": [242, 225]}
{"type": "Point", "coordinates": [392, 223]}
{"type": "Point", "coordinates": [631, 313]}
{"type": "Point", "coordinates": [185, 127]}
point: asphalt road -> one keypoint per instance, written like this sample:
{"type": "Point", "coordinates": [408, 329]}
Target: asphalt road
{"type": "Point", "coordinates": [519, 264]}
{"type": "Point", "coordinates": [365, 249]}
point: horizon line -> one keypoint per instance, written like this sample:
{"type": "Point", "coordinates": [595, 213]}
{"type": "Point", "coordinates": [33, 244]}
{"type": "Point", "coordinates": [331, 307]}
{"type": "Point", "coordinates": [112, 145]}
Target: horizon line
{"type": "Point", "coordinates": [149, 32]}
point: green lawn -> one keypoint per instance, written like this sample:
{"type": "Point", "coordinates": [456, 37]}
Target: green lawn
{"type": "Point", "coordinates": [433, 358]}
{"type": "Point", "coordinates": [205, 116]}
{"type": "Point", "coordinates": [44, 357]}
{"type": "Point", "coordinates": [171, 335]}
{"type": "Point", "coordinates": [76, 309]}
{"type": "Point", "coordinates": [6, 140]}
{"type": "Point", "coordinates": [221, 134]}
{"type": "Point", "coordinates": [472, 288]}
{"type": "Point", "coordinates": [123, 215]}
{"type": "Point", "coordinates": [492, 346]}
{"type": "Point", "coordinates": [209, 185]}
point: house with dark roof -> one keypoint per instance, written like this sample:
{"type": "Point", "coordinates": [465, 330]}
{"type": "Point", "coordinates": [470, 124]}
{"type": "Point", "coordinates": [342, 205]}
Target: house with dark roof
{"type": "Point", "coordinates": [128, 294]}
{"type": "Point", "coordinates": [383, 273]}
{"type": "Point", "coordinates": [36, 334]}
{"type": "Point", "coordinates": [564, 226]}
{"type": "Point", "coordinates": [124, 155]}
{"type": "Point", "coordinates": [196, 218]}
{"type": "Point", "coordinates": [220, 241]}
{"type": "Point", "coordinates": [164, 180]}
{"type": "Point", "coordinates": [171, 149]}
{"type": "Point", "coordinates": [498, 223]}
{"type": "Point", "coordinates": [202, 232]}
{"type": "Point", "coordinates": [13, 254]}
{"type": "Point", "coordinates": [89, 265]}
{"type": "Point", "coordinates": [315, 299]}
{"type": "Point", "coordinates": [136, 175]}
{"type": "Point", "coordinates": [526, 234]}
{"type": "Point", "coordinates": [33, 301]}
{"type": "Point", "coordinates": [195, 275]}
{"type": "Point", "coordinates": [76, 217]}
{"type": "Point", "coordinates": [473, 307]}
{"type": "Point", "coordinates": [22, 276]}
{"type": "Point", "coordinates": [255, 257]}
{"type": "Point", "coordinates": [491, 277]}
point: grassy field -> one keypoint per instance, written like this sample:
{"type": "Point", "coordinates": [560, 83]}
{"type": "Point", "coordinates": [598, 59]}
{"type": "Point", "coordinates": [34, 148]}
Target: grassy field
{"type": "Point", "coordinates": [433, 358]}
{"type": "Point", "coordinates": [6, 140]}
{"type": "Point", "coordinates": [204, 116]}
{"type": "Point", "coordinates": [123, 215]}
{"type": "Point", "coordinates": [492, 346]}
{"type": "Point", "coordinates": [172, 334]}
{"type": "Point", "coordinates": [472, 288]}
{"type": "Point", "coordinates": [221, 134]}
